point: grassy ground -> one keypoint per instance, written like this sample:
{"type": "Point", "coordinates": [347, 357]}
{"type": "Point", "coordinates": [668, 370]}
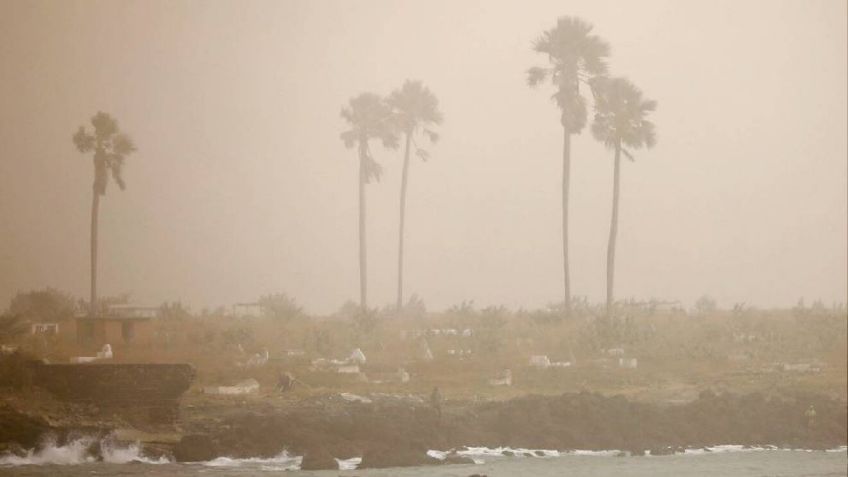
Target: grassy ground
{"type": "Point", "coordinates": [679, 355]}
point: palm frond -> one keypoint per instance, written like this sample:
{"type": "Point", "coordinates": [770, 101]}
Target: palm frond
{"type": "Point", "coordinates": [83, 141]}
{"type": "Point", "coordinates": [373, 170]}
{"type": "Point", "coordinates": [116, 166]}
{"type": "Point", "coordinates": [576, 55]}
{"type": "Point", "coordinates": [123, 145]}
{"type": "Point", "coordinates": [536, 75]}
{"type": "Point", "coordinates": [349, 138]}
{"type": "Point", "coordinates": [620, 111]}
{"type": "Point", "coordinates": [104, 125]}
{"type": "Point", "coordinates": [433, 136]}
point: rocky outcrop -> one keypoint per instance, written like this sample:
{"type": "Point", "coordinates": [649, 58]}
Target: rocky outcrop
{"type": "Point", "coordinates": [196, 448]}
{"type": "Point", "coordinates": [138, 392]}
{"type": "Point", "coordinates": [18, 430]}
{"type": "Point", "coordinates": [397, 433]}
{"type": "Point", "coordinates": [318, 458]}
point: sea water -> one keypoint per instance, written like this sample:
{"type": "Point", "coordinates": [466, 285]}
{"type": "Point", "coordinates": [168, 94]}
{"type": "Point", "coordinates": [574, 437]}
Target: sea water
{"type": "Point", "coordinates": [72, 460]}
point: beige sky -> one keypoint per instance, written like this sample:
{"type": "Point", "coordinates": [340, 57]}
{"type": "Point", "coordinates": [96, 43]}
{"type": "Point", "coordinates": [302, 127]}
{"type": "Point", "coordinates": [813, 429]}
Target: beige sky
{"type": "Point", "coordinates": [241, 186]}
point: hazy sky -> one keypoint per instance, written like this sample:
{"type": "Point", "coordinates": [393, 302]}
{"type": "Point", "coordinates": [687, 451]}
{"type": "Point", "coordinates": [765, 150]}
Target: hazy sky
{"type": "Point", "coordinates": [242, 187]}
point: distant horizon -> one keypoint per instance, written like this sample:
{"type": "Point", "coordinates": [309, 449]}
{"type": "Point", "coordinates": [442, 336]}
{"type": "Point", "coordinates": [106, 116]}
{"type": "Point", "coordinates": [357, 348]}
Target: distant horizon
{"type": "Point", "coordinates": [388, 307]}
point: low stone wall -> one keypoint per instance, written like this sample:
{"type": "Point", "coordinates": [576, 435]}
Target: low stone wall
{"type": "Point", "coordinates": [147, 392]}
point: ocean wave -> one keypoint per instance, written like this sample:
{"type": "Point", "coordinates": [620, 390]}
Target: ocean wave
{"type": "Point", "coordinates": [282, 461]}
{"type": "Point", "coordinates": [478, 454]}
{"type": "Point", "coordinates": [520, 452]}
{"type": "Point", "coordinates": [81, 450]}
{"type": "Point", "coordinates": [349, 464]}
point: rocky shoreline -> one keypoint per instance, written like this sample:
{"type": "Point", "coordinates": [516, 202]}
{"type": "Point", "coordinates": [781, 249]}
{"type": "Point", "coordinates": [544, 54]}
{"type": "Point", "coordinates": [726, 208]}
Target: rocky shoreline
{"type": "Point", "coordinates": [390, 431]}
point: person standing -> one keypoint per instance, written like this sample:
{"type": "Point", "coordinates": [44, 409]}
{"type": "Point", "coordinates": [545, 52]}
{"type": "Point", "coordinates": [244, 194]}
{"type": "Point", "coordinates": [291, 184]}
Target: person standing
{"type": "Point", "coordinates": [436, 402]}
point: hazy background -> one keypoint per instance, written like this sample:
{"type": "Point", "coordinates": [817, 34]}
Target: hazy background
{"type": "Point", "coordinates": [241, 185]}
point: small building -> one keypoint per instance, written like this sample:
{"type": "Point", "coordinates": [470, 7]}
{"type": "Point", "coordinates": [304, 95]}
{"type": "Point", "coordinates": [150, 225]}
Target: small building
{"type": "Point", "coordinates": [121, 325]}
{"type": "Point", "coordinates": [44, 328]}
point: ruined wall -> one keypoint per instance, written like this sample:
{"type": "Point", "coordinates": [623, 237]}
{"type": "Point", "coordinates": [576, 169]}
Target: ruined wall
{"type": "Point", "coordinates": [110, 331]}
{"type": "Point", "coordinates": [146, 392]}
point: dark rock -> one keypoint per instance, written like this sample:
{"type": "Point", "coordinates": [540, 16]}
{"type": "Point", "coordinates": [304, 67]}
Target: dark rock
{"type": "Point", "coordinates": [195, 448]}
{"type": "Point", "coordinates": [395, 456]}
{"type": "Point", "coordinates": [21, 429]}
{"type": "Point", "coordinates": [388, 435]}
{"type": "Point", "coordinates": [457, 459]}
{"type": "Point", "coordinates": [318, 458]}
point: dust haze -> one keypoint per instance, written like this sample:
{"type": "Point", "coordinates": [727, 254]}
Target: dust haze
{"type": "Point", "coordinates": [513, 238]}
{"type": "Point", "coordinates": [241, 186]}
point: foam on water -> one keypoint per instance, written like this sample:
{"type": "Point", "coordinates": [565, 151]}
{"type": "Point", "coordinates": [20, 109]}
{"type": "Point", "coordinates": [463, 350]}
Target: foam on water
{"type": "Point", "coordinates": [282, 461]}
{"type": "Point", "coordinates": [349, 464]}
{"type": "Point", "coordinates": [78, 451]}
{"type": "Point", "coordinates": [479, 454]}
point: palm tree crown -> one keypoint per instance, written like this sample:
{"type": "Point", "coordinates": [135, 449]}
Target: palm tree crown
{"type": "Point", "coordinates": [575, 55]}
{"type": "Point", "coordinates": [369, 118]}
{"type": "Point", "coordinates": [110, 146]}
{"type": "Point", "coordinates": [416, 109]}
{"type": "Point", "coordinates": [620, 112]}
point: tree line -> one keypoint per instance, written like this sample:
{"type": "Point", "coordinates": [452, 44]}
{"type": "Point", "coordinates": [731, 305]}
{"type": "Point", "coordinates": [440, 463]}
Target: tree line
{"type": "Point", "coordinates": [576, 64]}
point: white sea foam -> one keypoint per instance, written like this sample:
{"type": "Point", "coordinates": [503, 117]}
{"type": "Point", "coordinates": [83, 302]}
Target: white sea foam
{"type": "Point", "coordinates": [78, 451]}
{"type": "Point", "coordinates": [437, 454]}
{"type": "Point", "coordinates": [727, 448]}
{"type": "Point", "coordinates": [349, 464]}
{"type": "Point", "coordinates": [480, 454]}
{"type": "Point", "coordinates": [594, 453]}
{"type": "Point", "coordinates": [282, 461]}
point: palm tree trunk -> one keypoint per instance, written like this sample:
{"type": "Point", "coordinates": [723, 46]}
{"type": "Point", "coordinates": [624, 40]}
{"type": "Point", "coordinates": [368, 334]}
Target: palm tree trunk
{"type": "Point", "coordinates": [402, 221]}
{"type": "Point", "coordinates": [613, 230]}
{"type": "Point", "coordinates": [566, 173]}
{"type": "Point", "coordinates": [95, 210]}
{"type": "Point", "coordinates": [363, 266]}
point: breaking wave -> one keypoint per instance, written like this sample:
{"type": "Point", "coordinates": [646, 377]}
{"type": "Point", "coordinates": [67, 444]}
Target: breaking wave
{"type": "Point", "coordinates": [281, 461]}
{"type": "Point", "coordinates": [82, 450]}
{"type": "Point", "coordinates": [478, 454]}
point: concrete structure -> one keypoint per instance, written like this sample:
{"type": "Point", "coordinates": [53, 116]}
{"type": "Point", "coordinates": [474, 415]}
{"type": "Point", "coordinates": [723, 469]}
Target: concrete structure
{"type": "Point", "coordinates": [116, 330]}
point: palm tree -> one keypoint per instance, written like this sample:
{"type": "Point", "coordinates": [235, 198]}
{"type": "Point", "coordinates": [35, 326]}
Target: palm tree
{"type": "Point", "coordinates": [575, 55]}
{"type": "Point", "coordinates": [369, 117]}
{"type": "Point", "coordinates": [620, 122]}
{"type": "Point", "coordinates": [416, 110]}
{"type": "Point", "coordinates": [111, 147]}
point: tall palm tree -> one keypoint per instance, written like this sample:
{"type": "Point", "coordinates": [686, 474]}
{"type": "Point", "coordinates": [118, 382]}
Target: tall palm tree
{"type": "Point", "coordinates": [110, 147]}
{"type": "Point", "coordinates": [416, 110]}
{"type": "Point", "coordinates": [369, 117]}
{"type": "Point", "coordinates": [620, 121]}
{"type": "Point", "coordinates": [575, 55]}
